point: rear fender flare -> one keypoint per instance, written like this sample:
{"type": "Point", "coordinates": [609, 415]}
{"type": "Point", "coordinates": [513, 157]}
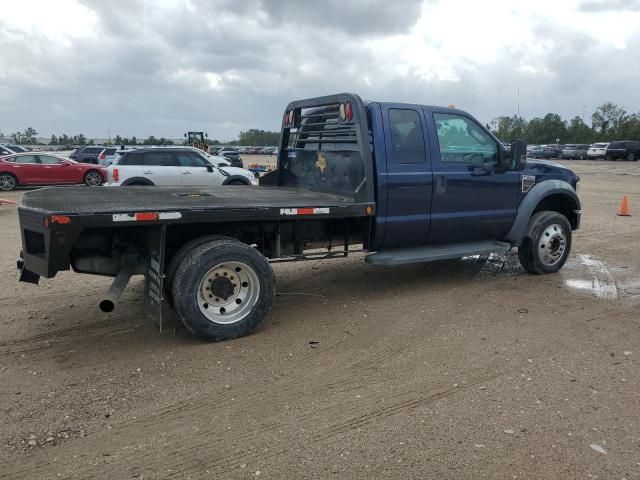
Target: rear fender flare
{"type": "Point", "coordinates": [528, 205]}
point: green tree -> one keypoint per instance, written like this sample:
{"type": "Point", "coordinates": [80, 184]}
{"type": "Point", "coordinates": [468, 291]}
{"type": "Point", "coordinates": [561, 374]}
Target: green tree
{"type": "Point", "coordinates": [134, 141]}
{"type": "Point", "coordinates": [509, 128]}
{"type": "Point", "coordinates": [578, 131]}
{"type": "Point", "coordinates": [30, 135]}
{"type": "Point", "coordinates": [258, 138]}
{"type": "Point", "coordinates": [54, 140]}
{"type": "Point", "coordinates": [81, 139]}
{"type": "Point", "coordinates": [91, 142]}
{"type": "Point", "coordinates": [608, 120]}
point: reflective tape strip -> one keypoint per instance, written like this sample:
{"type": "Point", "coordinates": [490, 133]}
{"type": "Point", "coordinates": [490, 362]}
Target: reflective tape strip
{"type": "Point", "coordinates": [145, 216]}
{"type": "Point", "coordinates": [304, 211]}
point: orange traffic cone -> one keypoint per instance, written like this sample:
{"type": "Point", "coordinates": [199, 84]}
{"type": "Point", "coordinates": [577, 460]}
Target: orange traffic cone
{"type": "Point", "coordinates": [6, 202]}
{"type": "Point", "coordinates": [624, 207]}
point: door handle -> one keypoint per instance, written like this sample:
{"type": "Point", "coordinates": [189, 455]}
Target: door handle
{"type": "Point", "coordinates": [186, 173]}
{"type": "Point", "coordinates": [441, 184]}
{"type": "Point", "coordinates": [148, 173]}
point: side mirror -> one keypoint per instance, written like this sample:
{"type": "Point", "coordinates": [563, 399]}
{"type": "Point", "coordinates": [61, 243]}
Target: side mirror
{"type": "Point", "coordinates": [518, 154]}
{"type": "Point", "coordinates": [209, 168]}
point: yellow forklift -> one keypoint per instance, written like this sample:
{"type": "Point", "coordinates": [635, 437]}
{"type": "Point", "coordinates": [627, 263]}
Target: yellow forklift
{"type": "Point", "coordinates": [197, 139]}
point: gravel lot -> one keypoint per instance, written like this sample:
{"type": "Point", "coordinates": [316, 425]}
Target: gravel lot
{"type": "Point", "coordinates": [457, 369]}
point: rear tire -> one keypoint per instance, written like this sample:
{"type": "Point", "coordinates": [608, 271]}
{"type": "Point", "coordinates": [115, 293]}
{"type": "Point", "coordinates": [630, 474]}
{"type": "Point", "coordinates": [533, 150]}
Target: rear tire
{"type": "Point", "coordinates": [8, 182]}
{"type": "Point", "coordinates": [547, 244]}
{"type": "Point", "coordinates": [179, 257]}
{"type": "Point", "coordinates": [92, 178]}
{"type": "Point", "coordinates": [631, 157]}
{"type": "Point", "coordinates": [223, 289]}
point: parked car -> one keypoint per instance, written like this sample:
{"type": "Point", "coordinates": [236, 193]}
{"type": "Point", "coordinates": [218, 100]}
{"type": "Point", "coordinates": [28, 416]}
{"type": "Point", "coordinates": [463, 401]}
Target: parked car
{"type": "Point", "coordinates": [552, 151]}
{"type": "Point", "coordinates": [108, 155]}
{"type": "Point", "coordinates": [536, 152]}
{"type": "Point", "coordinates": [172, 166]}
{"type": "Point", "coordinates": [22, 169]}
{"type": "Point", "coordinates": [597, 150]}
{"type": "Point", "coordinates": [87, 154]}
{"type": "Point", "coordinates": [575, 151]}
{"type": "Point", "coordinates": [232, 155]}
{"type": "Point", "coordinates": [15, 148]}
{"type": "Point", "coordinates": [4, 150]}
{"type": "Point", "coordinates": [623, 150]}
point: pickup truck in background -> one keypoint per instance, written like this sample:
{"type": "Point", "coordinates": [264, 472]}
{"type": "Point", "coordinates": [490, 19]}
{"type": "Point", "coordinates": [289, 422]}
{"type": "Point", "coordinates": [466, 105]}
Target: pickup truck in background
{"type": "Point", "coordinates": [403, 182]}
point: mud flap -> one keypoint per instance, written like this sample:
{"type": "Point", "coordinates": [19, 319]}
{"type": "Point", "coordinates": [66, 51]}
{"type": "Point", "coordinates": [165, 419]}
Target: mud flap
{"type": "Point", "coordinates": [154, 273]}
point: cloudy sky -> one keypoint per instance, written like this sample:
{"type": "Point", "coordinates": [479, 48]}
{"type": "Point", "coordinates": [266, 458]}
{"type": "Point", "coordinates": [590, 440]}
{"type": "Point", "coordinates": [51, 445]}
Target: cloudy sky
{"type": "Point", "coordinates": [162, 67]}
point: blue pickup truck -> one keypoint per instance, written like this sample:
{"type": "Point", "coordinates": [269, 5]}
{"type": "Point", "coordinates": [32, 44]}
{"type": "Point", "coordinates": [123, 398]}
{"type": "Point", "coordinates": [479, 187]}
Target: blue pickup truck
{"type": "Point", "coordinates": [402, 182]}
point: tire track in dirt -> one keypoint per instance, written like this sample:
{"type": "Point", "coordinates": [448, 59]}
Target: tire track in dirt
{"type": "Point", "coordinates": [344, 415]}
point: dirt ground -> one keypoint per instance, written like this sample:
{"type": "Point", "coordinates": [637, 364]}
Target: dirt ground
{"type": "Point", "coordinates": [457, 369]}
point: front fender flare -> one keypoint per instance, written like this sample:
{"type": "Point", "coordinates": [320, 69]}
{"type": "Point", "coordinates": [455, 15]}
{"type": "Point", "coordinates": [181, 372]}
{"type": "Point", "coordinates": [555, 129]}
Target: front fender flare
{"type": "Point", "coordinates": [531, 200]}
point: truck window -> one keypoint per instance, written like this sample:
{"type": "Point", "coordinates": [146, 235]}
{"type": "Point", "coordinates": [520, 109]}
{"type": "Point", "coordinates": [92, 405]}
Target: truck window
{"type": "Point", "coordinates": [463, 141]}
{"type": "Point", "coordinates": [406, 135]}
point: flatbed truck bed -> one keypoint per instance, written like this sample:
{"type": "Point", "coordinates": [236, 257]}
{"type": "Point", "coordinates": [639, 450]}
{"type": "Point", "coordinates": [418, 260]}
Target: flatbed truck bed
{"type": "Point", "coordinates": [193, 204]}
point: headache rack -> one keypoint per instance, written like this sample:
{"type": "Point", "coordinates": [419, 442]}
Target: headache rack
{"type": "Point", "coordinates": [325, 146]}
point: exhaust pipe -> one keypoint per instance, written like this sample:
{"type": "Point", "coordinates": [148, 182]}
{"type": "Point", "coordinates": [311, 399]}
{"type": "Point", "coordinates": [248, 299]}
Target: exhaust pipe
{"type": "Point", "coordinates": [115, 290]}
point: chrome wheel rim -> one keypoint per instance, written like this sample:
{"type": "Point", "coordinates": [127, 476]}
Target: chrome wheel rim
{"type": "Point", "coordinates": [7, 182]}
{"type": "Point", "coordinates": [93, 179]}
{"type": "Point", "coordinates": [228, 292]}
{"type": "Point", "coordinates": [552, 244]}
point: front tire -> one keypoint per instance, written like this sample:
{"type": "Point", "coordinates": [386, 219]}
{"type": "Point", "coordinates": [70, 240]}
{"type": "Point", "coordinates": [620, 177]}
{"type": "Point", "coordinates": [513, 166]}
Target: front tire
{"type": "Point", "coordinates": [547, 244]}
{"type": "Point", "coordinates": [92, 179]}
{"type": "Point", "coordinates": [223, 289]}
{"type": "Point", "coordinates": [8, 182]}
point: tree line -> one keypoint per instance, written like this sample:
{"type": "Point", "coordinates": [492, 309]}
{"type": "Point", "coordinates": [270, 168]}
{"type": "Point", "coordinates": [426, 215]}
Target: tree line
{"type": "Point", "coordinates": [608, 122]}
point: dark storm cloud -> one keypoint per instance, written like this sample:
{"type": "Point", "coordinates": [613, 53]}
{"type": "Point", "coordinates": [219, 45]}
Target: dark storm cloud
{"type": "Point", "coordinates": [609, 6]}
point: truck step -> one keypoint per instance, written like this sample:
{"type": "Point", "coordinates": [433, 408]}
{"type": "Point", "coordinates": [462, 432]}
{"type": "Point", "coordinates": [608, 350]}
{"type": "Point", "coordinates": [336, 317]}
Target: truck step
{"type": "Point", "coordinates": [432, 253]}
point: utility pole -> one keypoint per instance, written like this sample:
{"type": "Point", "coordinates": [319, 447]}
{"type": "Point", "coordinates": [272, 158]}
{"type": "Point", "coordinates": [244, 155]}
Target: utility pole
{"type": "Point", "coordinates": [583, 107]}
{"type": "Point", "coordinates": [109, 136]}
{"type": "Point", "coordinates": [518, 101]}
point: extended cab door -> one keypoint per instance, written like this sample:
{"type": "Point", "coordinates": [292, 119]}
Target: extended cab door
{"type": "Point", "coordinates": [473, 198]}
{"type": "Point", "coordinates": [408, 176]}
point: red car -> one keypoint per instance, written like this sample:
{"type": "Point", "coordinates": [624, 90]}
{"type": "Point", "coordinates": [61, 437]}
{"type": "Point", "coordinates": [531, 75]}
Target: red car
{"type": "Point", "coordinates": [32, 168]}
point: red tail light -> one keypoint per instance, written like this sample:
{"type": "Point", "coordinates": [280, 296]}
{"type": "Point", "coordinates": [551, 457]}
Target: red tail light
{"type": "Point", "coordinates": [286, 118]}
{"type": "Point", "coordinates": [116, 175]}
{"type": "Point", "coordinates": [101, 156]}
{"type": "Point", "coordinates": [348, 111]}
